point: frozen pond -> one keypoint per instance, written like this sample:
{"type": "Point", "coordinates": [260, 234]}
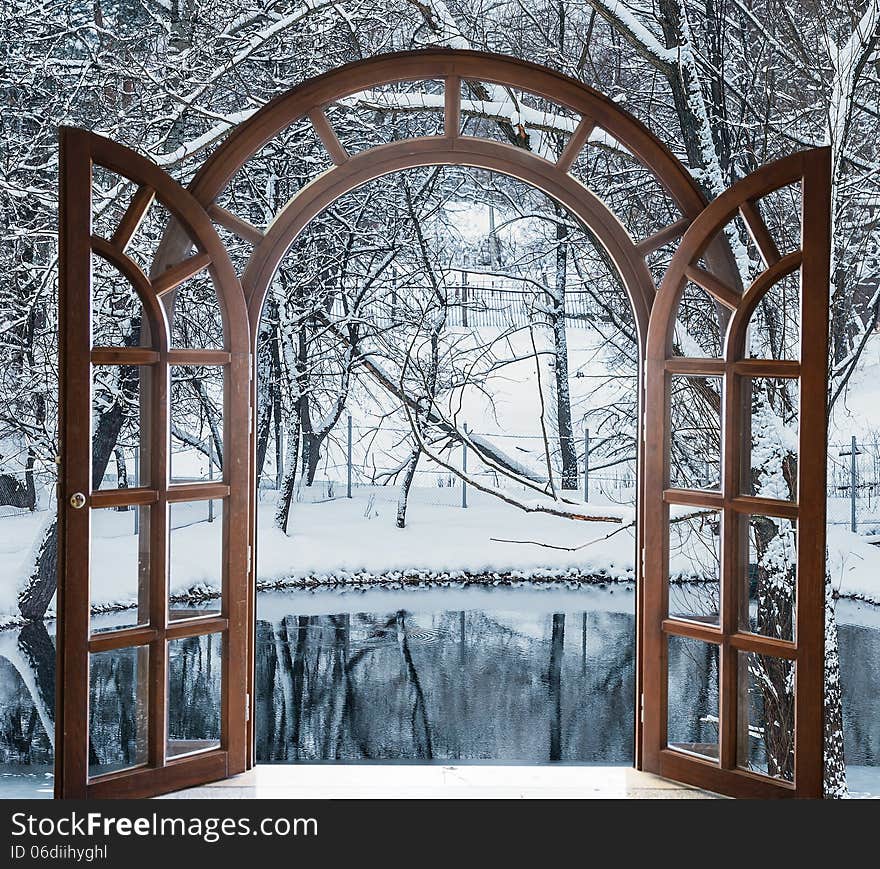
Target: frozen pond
{"type": "Point", "coordinates": [525, 675]}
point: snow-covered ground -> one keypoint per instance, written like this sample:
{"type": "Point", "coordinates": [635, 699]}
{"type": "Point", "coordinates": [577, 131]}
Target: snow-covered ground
{"type": "Point", "coordinates": [342, 539]}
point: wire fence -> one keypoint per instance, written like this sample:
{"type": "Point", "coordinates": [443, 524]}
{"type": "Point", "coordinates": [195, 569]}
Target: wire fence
{"type": "Point", "coordinates": [354, 470]}
{"type": "Point", "coordinates": [357, 461]}
{"type": "Point", "coordinates": [477, 300]}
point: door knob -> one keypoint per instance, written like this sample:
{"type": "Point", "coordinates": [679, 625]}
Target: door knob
{"type": "Point", "coordinates": [78, 501]}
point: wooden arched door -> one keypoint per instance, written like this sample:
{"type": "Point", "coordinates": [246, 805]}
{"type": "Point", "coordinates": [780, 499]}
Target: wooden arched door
{"type": "Point", "coordinates": [122, 677]}
{"type": "Point", "coordinates": [748, 639]}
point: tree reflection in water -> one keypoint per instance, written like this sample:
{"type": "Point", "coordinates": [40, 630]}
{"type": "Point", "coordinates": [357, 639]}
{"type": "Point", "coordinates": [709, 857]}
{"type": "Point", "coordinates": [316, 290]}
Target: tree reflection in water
{"type": "Point", "coordinates": [474, 685]}
{"type": "Point", "coordinates": [514, 681]}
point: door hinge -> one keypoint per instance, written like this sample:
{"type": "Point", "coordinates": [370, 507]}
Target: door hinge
{"type": "Point", "coordinates": [643, 563]}
{"type": "Point", "coordinates": [247, 707]}
{"type": "Point", "coordinates": [642, 708]}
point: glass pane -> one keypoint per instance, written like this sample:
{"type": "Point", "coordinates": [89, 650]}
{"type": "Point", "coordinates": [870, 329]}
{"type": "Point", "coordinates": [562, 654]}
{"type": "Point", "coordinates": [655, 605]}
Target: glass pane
{"type": "Point", "coordinates": [196, 423]}
{"type": "Point", "coordinates": [197, 321]}
{"type": "Point", "coordinates": [772, 407]}
{"type": "Point", "coordinates": [769, 557]}
{"type": "Point", "coordinates": [194, 693]}
{"type": "Point", "coordinates": [120, 455]}
{"type": "Point", "coordinates": [514, 117]}
{"type": "Point", "coordinates": [111, 196]}
{"type": "Point", "coordinates": [775, 327]}
{"type": "Point", "coordinates": [698, 332]}
{"type": "Point", "coordinates": [765, 742]}
{"type": "Point", "coordinates": [119, 580]}
{"type": "Point", "coordinates": [695, 567]}
{"type": "Point", "coordinates": [388, 113]}
{"type": "Point", "coordinates": [692, 703]}
{"type": "Point", "coordinates": [117, 311]}
{"type": "Point", "coordinates": [695, 420]}
{"type": "Point", "coordinates": [195, 544]}
{"type": "Point", "coordinates": [118, 692]}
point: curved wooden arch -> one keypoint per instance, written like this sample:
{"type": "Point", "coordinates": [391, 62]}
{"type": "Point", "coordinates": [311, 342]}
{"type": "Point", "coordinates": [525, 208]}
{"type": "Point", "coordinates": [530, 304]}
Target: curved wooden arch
{"type": "Point", "coordinates": [705, 228]}
{"type": "Point", "coordinates": [734, 345]}
{"type": "Point", "coordinates": [452, 66]}
{"type": "Point", "coordinates": [477, 153]}
{"type": "Point", "coordinates": [157, 318]}
{"type": "Point", "coordinates": [195, 228]}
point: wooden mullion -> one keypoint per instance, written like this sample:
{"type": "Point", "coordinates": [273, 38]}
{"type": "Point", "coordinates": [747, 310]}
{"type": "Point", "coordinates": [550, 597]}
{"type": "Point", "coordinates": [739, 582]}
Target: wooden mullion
{"type": "Point", "coordinates": [452, 107]}
{"type": "Point", "coordinates": [575, 144]}
{"type": "Point", "coordinates": [731, 569]}
{"type": "Point", "coordinates": [134, 215]}
{"type": "Point", "coordinates": [173, 277]}
{"type": "Point", "coordinates": [664, 236]}
{"type": "Point", "coordinates": [761, 645]}
{"type": "Point", "coordinates": [137, 496]}
{"type": "Point", "coordinates": [244, 230]}
{"type": "Point", "coordinates": [692, 367]}
{"type": "Point", "coordinates": [693, 630]}
{"type": "Point", "coordinates": [159, 563]}
{"type": "Point", "coordinates": [196, 627]}
{"type": "Point", "coordinates": [783, 368]}
{"type": "Point", "coordinates": [121, 639]}
{"type": "Point", "coordinates": [765, 507]}
{"type": "Point", "coordinates": [207, 491]}
{"type": "Point", "coordinates": [328, 136]}
{"type": "Point", "coordinates": [720, 291]}
{"type": "Point", "coordinates": [694, 498]}
{"type": "Point", "coordinates": [124, 356]}
{"type": "Point", "coordinates": [759, 232]}
{"type": "Point", "coordinates": [198, 357]}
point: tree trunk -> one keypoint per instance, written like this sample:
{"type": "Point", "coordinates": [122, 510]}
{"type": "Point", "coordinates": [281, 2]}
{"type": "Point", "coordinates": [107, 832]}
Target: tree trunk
{"type": "Point", "coordinates": [554, 678]}
{"type": "Point", "coordinates": [37, 594]}
{"type": "Point", "coordinates": [408, 475]}
{"type": "Point", "coordinates": [835, 765]}
{"type": "Point", "coordinates": [285, 494]}
{"type": "Point", "coordinates": [567, 449]}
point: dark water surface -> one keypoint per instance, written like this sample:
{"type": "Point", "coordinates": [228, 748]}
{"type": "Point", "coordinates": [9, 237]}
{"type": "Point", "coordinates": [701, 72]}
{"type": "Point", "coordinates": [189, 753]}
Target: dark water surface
{"type": "Point", "coordinates": [518, 675]}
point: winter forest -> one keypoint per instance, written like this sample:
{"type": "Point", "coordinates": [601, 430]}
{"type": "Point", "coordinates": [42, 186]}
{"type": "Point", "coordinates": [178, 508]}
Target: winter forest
{"type": "Point", "coordinates": [447, 360]}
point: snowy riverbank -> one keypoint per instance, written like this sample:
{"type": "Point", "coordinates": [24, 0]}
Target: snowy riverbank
{"type": "Point", "coordinates": [355, 542]}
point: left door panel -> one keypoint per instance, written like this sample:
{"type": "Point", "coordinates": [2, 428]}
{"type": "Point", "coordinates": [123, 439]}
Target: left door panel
{"type": "Point", "coordinates": [152, 695]}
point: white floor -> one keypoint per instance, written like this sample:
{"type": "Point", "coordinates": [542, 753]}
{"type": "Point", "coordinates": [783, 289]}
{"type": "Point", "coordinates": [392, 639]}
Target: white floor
{"type": "Point", "coordinates": [375, 781]}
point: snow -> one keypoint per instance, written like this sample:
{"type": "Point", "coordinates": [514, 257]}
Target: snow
{"type": "Point", "coordinates": [854, 565]}
{"type": "Point", "coordinates": [356, 541]}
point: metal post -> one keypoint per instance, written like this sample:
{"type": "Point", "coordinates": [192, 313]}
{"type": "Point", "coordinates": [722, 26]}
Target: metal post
{"type": "Point", "coordinates": [852, 486]}
{"type": "Point", "coordinates": [210, 476]}
{"type": "Point", "coordinates": [349, 456]}
{"type": "Point", "coordinates": [464, 468]}
{"type": "Point", "coordinates": [586, 464]}
{"type": "Point", "coordinates": [464, 299]}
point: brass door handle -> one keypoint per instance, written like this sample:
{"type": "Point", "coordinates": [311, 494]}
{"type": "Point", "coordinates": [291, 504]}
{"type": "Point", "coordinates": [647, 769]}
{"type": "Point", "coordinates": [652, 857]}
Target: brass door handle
{"type": "Point", "coordinates": [78, 501]}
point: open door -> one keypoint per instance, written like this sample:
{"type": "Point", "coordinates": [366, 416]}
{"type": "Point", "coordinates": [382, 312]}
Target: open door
{"type": "Point", "coordinates": [748, 639]}
{"type": "Point", "coordinates": [154, 697]}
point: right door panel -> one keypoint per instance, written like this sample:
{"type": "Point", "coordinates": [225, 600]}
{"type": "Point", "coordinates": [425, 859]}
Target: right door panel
{"type": "Point", "coordinates": [735, 451]}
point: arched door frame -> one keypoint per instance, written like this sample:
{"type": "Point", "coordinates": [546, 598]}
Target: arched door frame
{"type": "Point", "coordinates": [173, 262]}
{"type": "Point", "coordinates": [598, 112]}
